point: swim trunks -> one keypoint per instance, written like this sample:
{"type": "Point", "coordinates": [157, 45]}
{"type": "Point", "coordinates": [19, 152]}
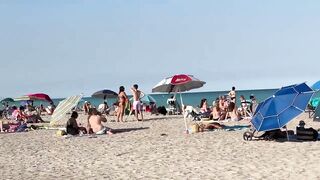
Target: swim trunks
{"type": "Point", "coordinates": [136, 105]}
{"type": "Point", "coordinates": [104, 130]}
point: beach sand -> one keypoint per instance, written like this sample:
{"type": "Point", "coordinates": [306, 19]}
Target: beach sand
{"type": "Point", "coordinates": [157, 148]}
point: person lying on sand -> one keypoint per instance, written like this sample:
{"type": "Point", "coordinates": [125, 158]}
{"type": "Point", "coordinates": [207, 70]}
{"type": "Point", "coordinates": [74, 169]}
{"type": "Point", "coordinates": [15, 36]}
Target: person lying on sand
{"type": "Point", "coordinates": [95, 120]}
{"type": "Point", "coordinates": [211, 126]}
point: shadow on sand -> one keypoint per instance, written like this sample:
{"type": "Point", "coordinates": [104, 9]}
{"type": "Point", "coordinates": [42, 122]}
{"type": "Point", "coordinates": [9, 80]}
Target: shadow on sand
{"type": "Point", "coordinates": [123, 130]}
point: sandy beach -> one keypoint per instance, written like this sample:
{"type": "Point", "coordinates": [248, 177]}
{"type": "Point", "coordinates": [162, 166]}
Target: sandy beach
{"type": "Point", "coordinates": [157, 148]}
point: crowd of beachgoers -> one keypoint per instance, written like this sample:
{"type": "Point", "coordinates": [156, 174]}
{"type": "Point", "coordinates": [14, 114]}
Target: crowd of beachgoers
{"type": "Point", "coordinates": [224, 107]}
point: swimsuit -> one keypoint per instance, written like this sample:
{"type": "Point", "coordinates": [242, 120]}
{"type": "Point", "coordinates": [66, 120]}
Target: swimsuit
{"type": "Point", "coordinates": [136, 105]}
{"type": "Point", "coordinates": [122, 100]}
{"type": "Point", "coordinates": [104, 130]}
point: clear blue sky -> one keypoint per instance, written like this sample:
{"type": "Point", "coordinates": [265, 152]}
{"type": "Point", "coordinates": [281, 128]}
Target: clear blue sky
{"type": "Point", "coordinates": [67, 47]}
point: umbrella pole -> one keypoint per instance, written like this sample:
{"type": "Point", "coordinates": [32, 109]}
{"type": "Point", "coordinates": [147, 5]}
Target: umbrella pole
{"type": "Point", "coordinates": [184, 117]}
{"type": "Point", "coordinates": [287, 134]}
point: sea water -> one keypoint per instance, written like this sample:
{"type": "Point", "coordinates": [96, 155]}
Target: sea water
{"type": "Point", "coordinates": [188, 98]}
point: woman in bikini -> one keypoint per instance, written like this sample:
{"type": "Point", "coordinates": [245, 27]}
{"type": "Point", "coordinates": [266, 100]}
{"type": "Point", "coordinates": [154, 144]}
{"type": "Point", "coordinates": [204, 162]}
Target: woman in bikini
{"type": "Point", "coordinates": [216, 112]}
{"type": "Point", "coordinates": [123, 99]}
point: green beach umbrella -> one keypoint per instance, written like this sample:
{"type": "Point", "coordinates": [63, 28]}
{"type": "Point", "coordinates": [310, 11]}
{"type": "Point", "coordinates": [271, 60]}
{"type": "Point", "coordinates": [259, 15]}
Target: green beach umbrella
{"type": "Point", "coordinates": [7, 100]}
{"type": "Point", "coordinates": [315, 102]}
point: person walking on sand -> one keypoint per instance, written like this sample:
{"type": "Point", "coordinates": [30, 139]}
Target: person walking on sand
{"type": "Point", "coordinates": [123, 99]}
{"type": "Point", "coordinates": [136, 101]}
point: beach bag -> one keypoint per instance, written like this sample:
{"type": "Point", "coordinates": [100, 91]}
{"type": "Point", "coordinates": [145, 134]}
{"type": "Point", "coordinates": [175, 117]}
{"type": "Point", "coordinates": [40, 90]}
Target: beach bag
{"type": "Point", "coordinates": [194, 128]}
{"type": "Point", "coordinates": [308, 134]}
{"type": "Point", "coordinates": [162, 110]}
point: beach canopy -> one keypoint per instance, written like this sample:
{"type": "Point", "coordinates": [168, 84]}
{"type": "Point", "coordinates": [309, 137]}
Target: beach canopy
{"type": "Point", "coordinates": [36, 96]}
{"type": "Point", "coordinates": [65, 106]}
{"type": "Point", "coordinates": [315, 102]}
{"type": "Point", "coordinates": [7, 100]}
{"type": "Point", "coordinates": [316, 116]}
{"type": "Point", "coordinates": [279, 109]}
{"type": "Point", "coordinates": [105, 93]}
{"type": "Point", "coordinates": [316, 86]}
{"type": "Point", "coordinates": [180, 82]}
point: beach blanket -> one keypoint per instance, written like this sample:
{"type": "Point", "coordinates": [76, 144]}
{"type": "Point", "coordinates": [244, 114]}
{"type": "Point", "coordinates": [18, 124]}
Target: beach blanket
{"type": "Point", "coordinates": [232, 128]}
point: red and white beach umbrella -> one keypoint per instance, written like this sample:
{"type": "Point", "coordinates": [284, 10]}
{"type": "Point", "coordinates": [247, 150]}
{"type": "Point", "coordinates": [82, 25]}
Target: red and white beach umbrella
{"type": "Point", "coordinates": [178, 83]}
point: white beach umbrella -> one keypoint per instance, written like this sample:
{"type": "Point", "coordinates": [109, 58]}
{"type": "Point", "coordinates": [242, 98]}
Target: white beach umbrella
{"type": "Point", "coordinates": [179, 83]}
{"type": "Point", "coordinates": [59, 115]}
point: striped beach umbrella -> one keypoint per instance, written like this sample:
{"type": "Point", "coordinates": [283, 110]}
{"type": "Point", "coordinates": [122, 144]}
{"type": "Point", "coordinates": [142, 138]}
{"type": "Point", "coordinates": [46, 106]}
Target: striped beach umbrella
{"type": "Point", "coordinates": [65, 106]}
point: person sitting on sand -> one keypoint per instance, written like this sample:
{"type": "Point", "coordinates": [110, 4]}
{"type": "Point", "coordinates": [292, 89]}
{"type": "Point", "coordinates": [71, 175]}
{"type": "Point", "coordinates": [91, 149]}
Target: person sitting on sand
{"type": "Point", "coordinates": [215, 113]}
{"type": "Point", "coordinates": [233, 113]}
{"type": "Point", "coordinates": [244, 109]}
{"type": "Point", "coordinates": [204, 109]}
{"type": "Point", "coordinates": [19, 115]}
{"type": "Point", "coordinates": [104, 108]}
{"type": "Point", "coordinates": [72, 126]}
{"type": "Point", "coordinates": [18, 121]}
{"type": "Point", "coordinates": [223, 105]}
{"type": "Point", "coordinates": [204, 106]}
{"type": "Point", "coordinates": [32, 116]}
{"type": "Point", "coordinates": [95, 120]}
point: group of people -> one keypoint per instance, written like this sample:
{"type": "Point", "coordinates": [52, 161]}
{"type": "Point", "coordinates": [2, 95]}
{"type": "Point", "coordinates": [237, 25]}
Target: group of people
{"type": "Point", "coordinates": [95, 117]}
{"type": "Point", "coordinates": [118, 108]}
{"type": "Point", "coordinates": [224, 107]}
{"type": "Point", "coordinates": [18, 118]}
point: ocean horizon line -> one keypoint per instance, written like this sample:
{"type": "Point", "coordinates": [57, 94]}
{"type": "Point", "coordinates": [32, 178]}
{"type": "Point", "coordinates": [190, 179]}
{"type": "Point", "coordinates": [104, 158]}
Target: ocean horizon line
{"type": "Point", "coordinates": [186, 92]}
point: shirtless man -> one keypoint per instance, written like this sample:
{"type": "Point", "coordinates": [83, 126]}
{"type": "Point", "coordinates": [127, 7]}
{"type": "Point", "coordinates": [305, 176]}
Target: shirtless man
{"type": "Point", "coordinates": [136, 101]}
{"type": "Point", "coordinates": [94, 123]}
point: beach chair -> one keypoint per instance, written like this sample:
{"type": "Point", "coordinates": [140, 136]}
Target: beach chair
{"type": "Point", "coordinates": [195, 113]}
{"type": "Point", "coordinates": [172, 108]}
{"type": "Point", "coordinates": [310, 110]}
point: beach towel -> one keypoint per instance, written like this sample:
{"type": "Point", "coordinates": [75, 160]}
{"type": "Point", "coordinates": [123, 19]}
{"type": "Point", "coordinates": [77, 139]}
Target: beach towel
{"type": "Point", "coordinates": [232, 128]}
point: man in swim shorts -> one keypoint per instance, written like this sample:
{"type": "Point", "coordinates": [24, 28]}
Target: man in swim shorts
{"type": "Point", "coordinates": [95, 123]}
{"type": "Point", "coordinates": [136, 101]}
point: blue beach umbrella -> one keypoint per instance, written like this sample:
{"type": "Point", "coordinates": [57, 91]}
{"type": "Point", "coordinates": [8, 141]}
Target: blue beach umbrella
{"type": "Point", "coordinates": [316, 86]}
{"type": "Point", "coordinates": [105, 93]}
{"type": "Point", "coordinates": [279, 109]}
